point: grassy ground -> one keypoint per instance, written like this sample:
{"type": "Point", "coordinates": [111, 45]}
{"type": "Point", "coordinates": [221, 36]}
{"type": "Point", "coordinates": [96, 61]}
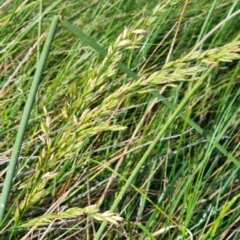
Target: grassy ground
{"type": "Point", "coordinates": [105, 156]}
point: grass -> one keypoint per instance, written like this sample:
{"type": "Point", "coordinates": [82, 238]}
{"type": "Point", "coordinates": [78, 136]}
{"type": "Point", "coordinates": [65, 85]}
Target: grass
{"type": "Point", "coordinates": [134, 132]}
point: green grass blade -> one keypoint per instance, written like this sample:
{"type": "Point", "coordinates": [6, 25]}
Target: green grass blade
{"type": "Point", "coordinates": [76, 31]}
{"type": "Point", "coordinates": [25, 118]}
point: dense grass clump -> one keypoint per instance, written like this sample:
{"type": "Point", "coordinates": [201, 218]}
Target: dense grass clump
{"type": "Point", "coordinates": [134, 131]}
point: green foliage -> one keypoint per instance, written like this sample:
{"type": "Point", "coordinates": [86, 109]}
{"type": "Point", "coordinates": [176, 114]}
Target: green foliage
{"type": "Point", "coordinates": [136, 115]}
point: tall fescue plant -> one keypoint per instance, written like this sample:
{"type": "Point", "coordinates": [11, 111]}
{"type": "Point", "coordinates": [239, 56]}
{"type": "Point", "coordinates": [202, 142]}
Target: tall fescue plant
{"type": "Point", "coordinates": [141, 119]}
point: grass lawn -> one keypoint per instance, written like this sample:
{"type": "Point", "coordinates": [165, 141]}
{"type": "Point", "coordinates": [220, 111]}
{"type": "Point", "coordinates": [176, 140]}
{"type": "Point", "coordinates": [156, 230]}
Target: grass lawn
{"type": "Point", "coordinates": [120, 119]}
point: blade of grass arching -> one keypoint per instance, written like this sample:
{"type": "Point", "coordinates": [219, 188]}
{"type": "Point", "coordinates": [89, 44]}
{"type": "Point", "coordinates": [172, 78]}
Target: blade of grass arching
{"type": "Point", "coordinates": [25, 117]}
{"type": "Point", "coordinates": [76, 31]}
{"type": "Point", "coordinates": [151, 147]}
{"type": "Point", "coordinates": [39, 35]}
{"type": "Point", "coordinates": [39, 27]}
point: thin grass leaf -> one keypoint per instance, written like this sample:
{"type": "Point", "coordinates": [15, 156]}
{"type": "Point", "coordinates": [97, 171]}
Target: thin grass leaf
{"type": "Point", "coordinates": [25, 118]}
